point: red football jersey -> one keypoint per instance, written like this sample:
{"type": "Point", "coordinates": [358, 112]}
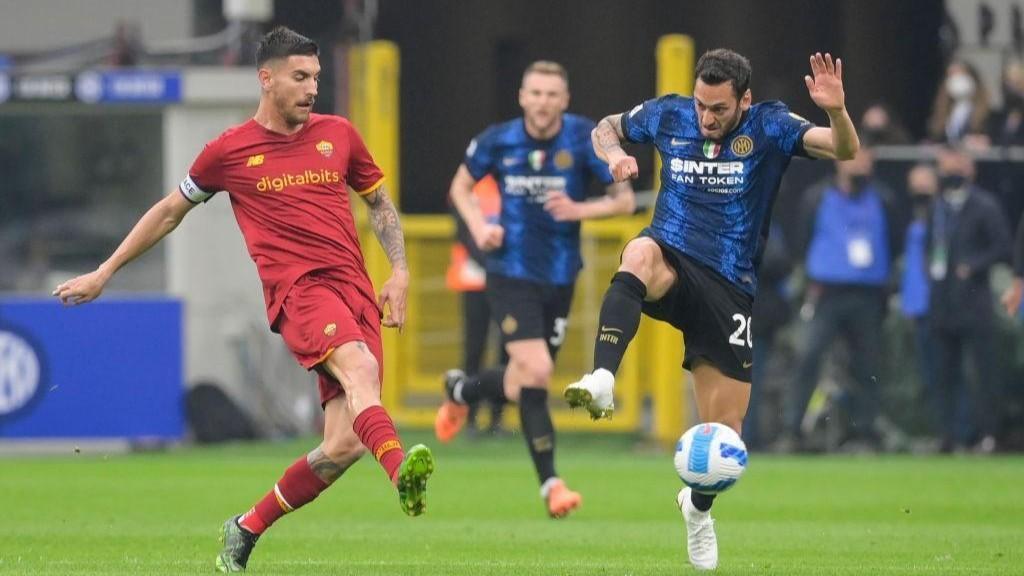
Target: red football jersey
{"type": "Point", "coordinates": [289, 196]}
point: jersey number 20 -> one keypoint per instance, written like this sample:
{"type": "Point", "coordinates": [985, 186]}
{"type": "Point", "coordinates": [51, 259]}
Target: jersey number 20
{"type": "Point", "coordinates": [744, 326]}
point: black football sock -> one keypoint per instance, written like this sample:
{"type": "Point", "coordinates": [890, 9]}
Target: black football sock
{"type": "Point", "coordinates": [488, 385]}
{"type": "Point", "coordinates": [538, 430]}
{"type": "Point", "coordinates": [700, 501]}
{"type": "Point", "coordinates": [619, 320]}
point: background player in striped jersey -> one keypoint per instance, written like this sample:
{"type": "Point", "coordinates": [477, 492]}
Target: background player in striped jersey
{"type": "Point", "coordinates": [695, 265]}
{"type": "Point", "coordinates": [287, 172]}
{"type": "Point", "coordinates": [543, 163]}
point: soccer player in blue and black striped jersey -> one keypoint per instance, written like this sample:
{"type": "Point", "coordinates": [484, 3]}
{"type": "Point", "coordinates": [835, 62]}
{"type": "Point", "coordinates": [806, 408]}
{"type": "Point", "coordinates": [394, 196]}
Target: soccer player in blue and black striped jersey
{"type": "Point", "coordinates": [543, 163]}
{"type": "Point", "coordinates": [695, 265]}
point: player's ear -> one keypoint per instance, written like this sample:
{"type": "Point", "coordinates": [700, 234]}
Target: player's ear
{"type": "Point", "coordinates": [265, 75]}
{"type": "Point", "coordinates": [746, 100]}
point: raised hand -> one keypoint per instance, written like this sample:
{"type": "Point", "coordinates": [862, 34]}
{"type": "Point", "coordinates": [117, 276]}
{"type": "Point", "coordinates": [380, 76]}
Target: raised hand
{"type": "Point", "coordinates": [826, 85]}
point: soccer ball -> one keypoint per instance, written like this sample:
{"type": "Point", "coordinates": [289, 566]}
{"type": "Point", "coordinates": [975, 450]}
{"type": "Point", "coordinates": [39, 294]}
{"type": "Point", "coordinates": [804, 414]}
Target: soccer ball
{"type": "Point", "coordinates": [710, 458]}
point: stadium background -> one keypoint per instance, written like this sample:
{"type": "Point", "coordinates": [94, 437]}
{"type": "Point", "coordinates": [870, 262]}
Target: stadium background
{"type": "Point", "coordinates": [419, 78]}
{"type": "Point", "coordinates": [448, 69]}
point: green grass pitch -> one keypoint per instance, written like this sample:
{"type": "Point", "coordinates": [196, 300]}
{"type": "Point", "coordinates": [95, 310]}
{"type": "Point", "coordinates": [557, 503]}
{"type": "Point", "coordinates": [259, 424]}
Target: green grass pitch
{"type": "Point", "coordinates": [159, 513]}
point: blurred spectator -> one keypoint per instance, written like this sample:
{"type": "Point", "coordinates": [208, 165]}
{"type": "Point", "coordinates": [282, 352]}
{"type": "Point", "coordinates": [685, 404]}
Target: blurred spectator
{"type": "Point", "coordinates": [848, 264]}
{"type": "Point", "coordinates": [967, 236]}
{"type": "Point", "coordinates": [1015, 292]}
{"type": "Point", "coordinates": [879, 127]}
{"type": "Point", "coordinates": [127, 44]}
{"type": "Point", "coordinates": [773, 311]}
{"type": "Point", "coordinates": [923, 187]}
{"type": "Point", "coordinates": [466, 274]}
{"type": "Point", "coordinates": [961, 109]}
{"type": "Point", "coordinates": [1007, 126]}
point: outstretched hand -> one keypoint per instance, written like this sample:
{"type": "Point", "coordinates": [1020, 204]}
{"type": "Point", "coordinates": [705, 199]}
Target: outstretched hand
{"type": "Point", "coordinates": [81, 289]}
{"type": "Point", "coordinates": [826, 84]}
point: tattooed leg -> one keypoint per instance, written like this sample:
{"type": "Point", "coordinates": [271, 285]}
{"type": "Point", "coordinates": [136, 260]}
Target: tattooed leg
{"type": "Point", "coordinates": [328, 469]}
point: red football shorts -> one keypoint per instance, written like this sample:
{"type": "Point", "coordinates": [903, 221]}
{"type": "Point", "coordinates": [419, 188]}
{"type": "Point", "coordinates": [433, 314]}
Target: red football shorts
{"type": "Point", "coordinates": [320, 314]}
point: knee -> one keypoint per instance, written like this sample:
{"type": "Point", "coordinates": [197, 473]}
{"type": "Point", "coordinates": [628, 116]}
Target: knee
{"type": "Point", "coordinates": [357, 372]}
{"type": "Point", "coordinates": [734, 422]}
{"type": "Point", "coordinates": [534, 372]}
{"type": "Point", "coordinates": [637, 259]}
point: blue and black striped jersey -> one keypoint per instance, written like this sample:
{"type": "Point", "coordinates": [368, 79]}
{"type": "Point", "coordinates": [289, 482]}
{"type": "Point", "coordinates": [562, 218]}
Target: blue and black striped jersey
{"type": "Point", "coordinates": [716, 197]}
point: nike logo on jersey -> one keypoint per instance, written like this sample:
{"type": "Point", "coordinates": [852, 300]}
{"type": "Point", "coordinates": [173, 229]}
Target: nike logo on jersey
{"type": "Point", "coordinates": [607, 329]}
{"type": "Point", "coordinates": [511, 161]}
{"type": "Point", "coordinates": [680, 142]}
{"type": "Point", "coordinates": [747, 365]}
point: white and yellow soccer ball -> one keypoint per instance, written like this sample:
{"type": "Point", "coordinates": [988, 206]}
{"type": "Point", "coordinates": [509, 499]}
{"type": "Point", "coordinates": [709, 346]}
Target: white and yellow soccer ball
{"type": "Point", "coordinates": [710, 457]}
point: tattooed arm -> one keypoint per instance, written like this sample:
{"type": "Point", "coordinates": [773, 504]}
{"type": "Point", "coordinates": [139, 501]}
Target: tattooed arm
{"type": "Point", "coordinates": [607, 140]}
{"type": "Point", "coordinates": [388, 229]}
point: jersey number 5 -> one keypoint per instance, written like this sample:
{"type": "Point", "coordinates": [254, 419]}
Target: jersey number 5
{"type": "Point", "coordinates": [744, 326]}
{"type": "Point", "coordinates": [559, 335]}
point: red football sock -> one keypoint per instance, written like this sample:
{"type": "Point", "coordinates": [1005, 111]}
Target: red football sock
{"type": "Point", "coordinates": [377, 432]}
{"type": "Point", "coordinates": [298, 487]}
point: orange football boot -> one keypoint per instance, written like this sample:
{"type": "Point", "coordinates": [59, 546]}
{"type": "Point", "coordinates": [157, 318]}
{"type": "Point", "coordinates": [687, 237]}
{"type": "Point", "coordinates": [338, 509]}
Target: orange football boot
{"type": "Point", "coordinates": [561, 501]}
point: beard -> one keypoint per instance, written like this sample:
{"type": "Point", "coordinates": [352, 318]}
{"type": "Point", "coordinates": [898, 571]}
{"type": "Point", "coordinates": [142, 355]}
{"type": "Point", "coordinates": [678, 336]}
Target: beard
{"type": "Point", "coordinates": [725, 127]}
{"type": "Point", "coordinates": [290, 112]}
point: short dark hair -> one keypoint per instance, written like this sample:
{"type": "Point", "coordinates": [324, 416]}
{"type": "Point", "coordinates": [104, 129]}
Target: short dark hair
{"type": "Point", "coordinates": [282, 42]}
{"type": "Point", "coordinates": [722, 65]}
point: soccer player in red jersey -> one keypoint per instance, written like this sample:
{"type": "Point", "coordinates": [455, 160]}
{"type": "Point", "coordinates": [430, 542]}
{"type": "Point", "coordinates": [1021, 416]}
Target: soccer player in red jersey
{"type": "Point", "coordinates": [286, 172]}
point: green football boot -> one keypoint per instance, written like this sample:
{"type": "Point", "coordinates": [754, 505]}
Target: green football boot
{"type": "Point", "coordinates": [416, 468]}
{"type": "Point", "coordinates": [238, 544]}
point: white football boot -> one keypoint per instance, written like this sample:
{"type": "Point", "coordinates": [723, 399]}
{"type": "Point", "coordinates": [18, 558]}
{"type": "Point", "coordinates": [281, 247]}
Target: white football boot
{"type": "Point", "coordinates": [593, 392]}
{"type": "Point", "coordinates": [701, 542]}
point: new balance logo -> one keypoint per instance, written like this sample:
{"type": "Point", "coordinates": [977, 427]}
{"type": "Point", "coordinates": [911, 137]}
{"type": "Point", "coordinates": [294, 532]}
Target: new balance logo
{"type": "Point", "coordinates": [256, 160]}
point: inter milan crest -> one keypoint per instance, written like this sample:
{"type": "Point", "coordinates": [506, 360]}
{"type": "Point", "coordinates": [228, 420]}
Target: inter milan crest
{"type": "Point", "coordinates": [712, 149]}
{"type": "Point", "coordinates": [742, 146]}
{"type": "Point", "coordinates": [536, 159]}
{"type": "Point", "coordinates": [563, 160]}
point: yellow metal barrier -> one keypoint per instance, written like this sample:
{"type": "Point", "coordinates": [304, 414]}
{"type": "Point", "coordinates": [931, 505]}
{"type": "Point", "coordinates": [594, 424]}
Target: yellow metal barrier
{"type": "Point", "coordinates": [373, 75]}
{"type": "Point", "coordinates": [432, 340]}
{"type": "Point", "coordinates": [675, 63]}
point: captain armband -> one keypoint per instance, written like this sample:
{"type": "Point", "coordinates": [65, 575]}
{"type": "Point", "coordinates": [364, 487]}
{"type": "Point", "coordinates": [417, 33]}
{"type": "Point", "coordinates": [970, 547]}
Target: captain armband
{"type": "Point", "coordinates": [192, 192]}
